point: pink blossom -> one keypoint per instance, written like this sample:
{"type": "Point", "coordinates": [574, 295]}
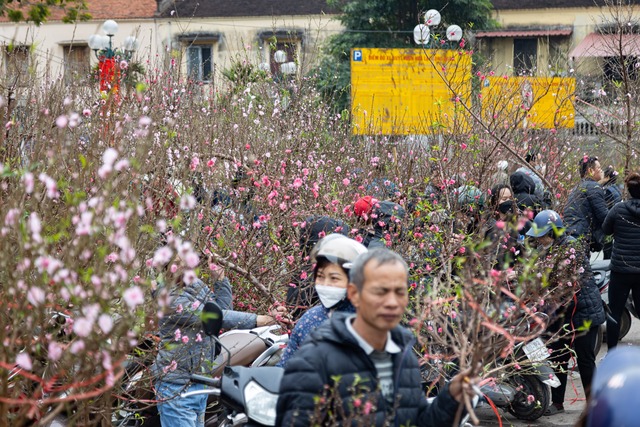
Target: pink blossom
{"type": "Point", "coordinates": [105, 322]}
{"type": "Point", "coordinates": [35, 296]}
{"type": "Point", "coordinates": [177, 335]}
{"type": "Point", "coordinates": [144, 121]}
{"type": "Point", "coordinates": [28, 181]}
{"type": "Point", "coordinates": [297, 183]}
{"type": "Point", "coordinates": [133, 297]}
{"type": "Point", "coordinates": [76, 347]}
{"type": "Point", "coordinates": [185, 339]}
{"type": "Point", "coordinates": [162, 256]}
{"type": "Point", "coordinates": [191, 259]}
{"type": "Point", "coordinates": [62, 121]}
{"type": "Point", "coordinates": [368, 406]}
{"type": "Point", "coordinates": [54, 351]}
{"type": "Point", "coordinates": [189, 277]}
{"type": "Point", "coordinates": [86, 112]}
{"type": "Point", "coordinates": [530, 398]}
{"type": "Point", "coordinates": [198, 338]}
{"type": "Point", "coordinates": [346, 181]}
{"type": "Point", "coordinates": [195, 161]}
{"type": "Point", "coordinates": [82, 327]}
{"type": "Point", "coordinates": [171, 367]}
{"type": "Point", "coordinates": [187, 202]}
{"type": "Point", "coordinates": [23, 360]}
{"type": "Point", "coordinates": [35, 226]}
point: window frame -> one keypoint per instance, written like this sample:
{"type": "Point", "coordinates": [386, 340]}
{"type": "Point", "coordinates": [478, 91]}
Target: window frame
{"type": "Point", "coordinates": [72, 75]}
{"type": "Point", "coordinates": [523, 61]}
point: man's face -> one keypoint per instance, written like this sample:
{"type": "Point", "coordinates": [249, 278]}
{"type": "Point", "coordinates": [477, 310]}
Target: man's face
{"type": "Point", "coordinates": [383, 298]}
{"type": "Point", "coordinates": [545, 241]}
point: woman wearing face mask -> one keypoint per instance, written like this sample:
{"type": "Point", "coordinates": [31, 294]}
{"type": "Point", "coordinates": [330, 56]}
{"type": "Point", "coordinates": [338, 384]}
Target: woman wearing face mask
{"type": "Point", "coordinates": [333, 256]}
{"type": "Point", "coordinates": [503, 228]}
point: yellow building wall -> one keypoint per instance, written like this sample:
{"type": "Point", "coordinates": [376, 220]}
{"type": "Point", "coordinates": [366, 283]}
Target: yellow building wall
{"type": "Point", "coordinates": [582, 20]}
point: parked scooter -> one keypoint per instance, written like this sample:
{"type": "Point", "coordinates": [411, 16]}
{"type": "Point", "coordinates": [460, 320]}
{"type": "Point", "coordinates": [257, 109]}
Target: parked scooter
{"type": "Point", "coordinates": [251, 393]}
{"type": "Point", "coordinates": [512, 388]}
{"type": "Point", "coordinates": [255, 347]}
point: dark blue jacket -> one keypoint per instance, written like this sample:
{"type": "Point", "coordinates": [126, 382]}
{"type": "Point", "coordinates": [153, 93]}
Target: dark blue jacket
{"type": "Point", "coordinates": [623, 221]}
{"type": "Point", "coordinates": [332, 357]}
{"type": "Point", "coordinates": [612, 194]}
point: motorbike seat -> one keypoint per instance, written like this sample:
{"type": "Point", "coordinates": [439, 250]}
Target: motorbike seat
{"type": "Point", "coordinates": [601, 265]}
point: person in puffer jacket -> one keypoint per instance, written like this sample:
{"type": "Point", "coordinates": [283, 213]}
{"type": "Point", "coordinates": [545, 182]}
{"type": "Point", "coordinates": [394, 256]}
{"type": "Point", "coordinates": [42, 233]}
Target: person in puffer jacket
{"type": "Point", "coordinates": [623, 221]}
{"type": "Point", "coordinates": [524, 192]}
{"type": "Point", "coordinates": [586, 208]}
{"type": "Point", "coordinates": [575, 298]}
{"type": "Point", "coordinates": [360, 369]}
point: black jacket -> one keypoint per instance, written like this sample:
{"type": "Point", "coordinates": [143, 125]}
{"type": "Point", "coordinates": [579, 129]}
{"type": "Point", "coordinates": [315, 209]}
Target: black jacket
{"type": "Point", "coordinates": [586, 210]}
{"type": "Point", "coordinates": [623, 221]}
{"type": "Point", "coordinates": [331, 356]}
{"type": "Point", "coordinates": [524, 192]}
{"type": "Point", "coordinates": [586, 303]}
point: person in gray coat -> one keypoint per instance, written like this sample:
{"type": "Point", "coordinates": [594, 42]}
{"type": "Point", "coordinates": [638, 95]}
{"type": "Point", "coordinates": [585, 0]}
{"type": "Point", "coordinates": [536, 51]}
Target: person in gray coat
{"type": "Point", "coordinates": [185, 349]}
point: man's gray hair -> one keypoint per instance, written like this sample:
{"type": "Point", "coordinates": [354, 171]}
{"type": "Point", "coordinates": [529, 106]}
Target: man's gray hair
{"type": "Point", "coordinates": [382, 256]}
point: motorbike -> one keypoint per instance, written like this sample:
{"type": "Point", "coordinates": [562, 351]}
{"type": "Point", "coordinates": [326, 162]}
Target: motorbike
{"type": "Point", "coordinates": [512, 388]}
{"type": "Point", "coordinates": [602, 272]}
{"type": "Point", "coordinates": [247, 393]}
{"type": "Point", "coordinates": [258, 347]}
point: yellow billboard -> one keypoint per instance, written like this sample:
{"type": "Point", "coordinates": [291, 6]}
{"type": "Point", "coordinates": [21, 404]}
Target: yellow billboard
{"type": "Point", "coordinates": [535, 102]}
{"type": "Point", "coordinates": [408, 91]}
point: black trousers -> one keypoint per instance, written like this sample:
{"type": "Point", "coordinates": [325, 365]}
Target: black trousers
{"type": "Point", "coordinates": [586, 358]}
{"type": "Point", "coordinates": [619, 287]}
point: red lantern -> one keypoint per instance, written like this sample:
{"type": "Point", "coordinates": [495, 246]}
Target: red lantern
{"type": "Point", "coordinates": [109, 75]}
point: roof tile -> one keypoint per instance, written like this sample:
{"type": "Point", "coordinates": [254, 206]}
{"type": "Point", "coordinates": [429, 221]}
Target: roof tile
{"type": "Point", "coordinates": [237, 8]}
{"type": "Point", "coordinates": [111, 9]}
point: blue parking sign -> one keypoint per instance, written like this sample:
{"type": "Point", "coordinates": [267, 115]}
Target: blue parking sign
{"type": "Point", "coordinates": [357, 55]}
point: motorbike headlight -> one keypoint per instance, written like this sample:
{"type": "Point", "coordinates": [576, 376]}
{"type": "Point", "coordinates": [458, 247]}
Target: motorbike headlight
{"type": "Point", "coordinates": [260, 404]}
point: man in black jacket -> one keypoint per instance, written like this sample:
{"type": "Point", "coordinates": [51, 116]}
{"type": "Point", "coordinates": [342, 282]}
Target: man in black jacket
{"type": "Point", "coordinates": [361, 369]}
{"type": "Point", "coordinates": [586, 208]}
{"type": "Point", "coordinates": [574, 296]}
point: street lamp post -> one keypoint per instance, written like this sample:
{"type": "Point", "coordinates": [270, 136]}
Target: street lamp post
{"type": "Point", "coordinates": [109, 58]}
{"type": "Point", "coordinates": [432, 18]}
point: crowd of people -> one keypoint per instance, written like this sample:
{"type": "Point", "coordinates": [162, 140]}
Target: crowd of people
{"type": "Point", "coordinates": [347, 348]}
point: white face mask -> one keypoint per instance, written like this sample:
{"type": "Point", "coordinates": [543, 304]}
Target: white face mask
{"type": "Point", "coordinates": [330, 295]}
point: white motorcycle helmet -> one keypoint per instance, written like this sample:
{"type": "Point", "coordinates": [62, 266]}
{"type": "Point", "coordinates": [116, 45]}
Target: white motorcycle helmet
{"type": "Point", "coordinates": [337, 249]}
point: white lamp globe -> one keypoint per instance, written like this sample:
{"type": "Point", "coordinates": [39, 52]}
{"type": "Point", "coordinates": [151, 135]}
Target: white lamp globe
{"type": "Point", "coordinates": [94, 42]}
{"type": "Point", "coordinates": [421, 34]}
{"type": "Point", "coordinates": [454, 33]}
{"type": "Point", "coordinates": [432, 17]}
{"type": "Point", "coordinates": [280, 56]}
{"type": "Point", "coordinates": [110, 27]}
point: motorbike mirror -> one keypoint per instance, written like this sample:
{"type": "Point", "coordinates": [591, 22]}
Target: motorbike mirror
{"type": "Point", "coordinates": [211, 318]}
